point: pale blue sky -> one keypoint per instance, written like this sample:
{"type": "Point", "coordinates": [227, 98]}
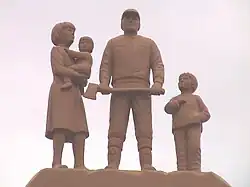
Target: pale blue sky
{"type": "Point", "coordinates": [210, 38]}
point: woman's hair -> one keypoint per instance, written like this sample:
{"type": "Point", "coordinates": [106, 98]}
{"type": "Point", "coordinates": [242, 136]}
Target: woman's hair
{"type": "Point", "coordinates": [57, 29]}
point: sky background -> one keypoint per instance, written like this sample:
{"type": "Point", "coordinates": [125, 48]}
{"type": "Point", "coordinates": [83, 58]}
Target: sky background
{"type": "Point", "coordinates": [210, 38]}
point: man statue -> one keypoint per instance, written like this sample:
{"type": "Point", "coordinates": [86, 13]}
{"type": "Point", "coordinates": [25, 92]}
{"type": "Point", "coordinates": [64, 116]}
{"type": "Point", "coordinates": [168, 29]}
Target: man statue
{"type": "Point", "coordinates": [128, 59]}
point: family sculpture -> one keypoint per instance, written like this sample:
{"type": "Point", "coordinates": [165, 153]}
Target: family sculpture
{"type": "Point", "coordinates": [126, 64]}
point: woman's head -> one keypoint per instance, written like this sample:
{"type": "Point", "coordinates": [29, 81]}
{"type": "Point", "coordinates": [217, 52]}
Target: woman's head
{"type": "Point", "coordinates": [63, 34]}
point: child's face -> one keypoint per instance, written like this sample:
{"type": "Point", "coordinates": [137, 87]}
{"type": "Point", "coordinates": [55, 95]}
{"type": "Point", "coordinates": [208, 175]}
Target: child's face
{"type": "Point", "coordinates": [185, 82]}
{"type": "Point", "coordinates": [86, 45]}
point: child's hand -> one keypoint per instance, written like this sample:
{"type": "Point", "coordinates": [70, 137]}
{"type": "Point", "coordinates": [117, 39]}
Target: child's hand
{"type": "Point", "coordinates": [197, 117]}
{"type": "Point", "coordinates": [180, 101]}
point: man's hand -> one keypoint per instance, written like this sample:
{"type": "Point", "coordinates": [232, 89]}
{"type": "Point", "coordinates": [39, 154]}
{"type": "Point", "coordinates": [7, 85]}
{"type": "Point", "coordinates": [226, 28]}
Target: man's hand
{"type": "Point", "coordinates": [104, 89]}
{"type": "Point", "coordinates": [157, 89]}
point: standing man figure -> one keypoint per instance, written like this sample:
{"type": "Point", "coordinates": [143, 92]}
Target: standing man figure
{"type": "Point", "coordinates": [128, 59]}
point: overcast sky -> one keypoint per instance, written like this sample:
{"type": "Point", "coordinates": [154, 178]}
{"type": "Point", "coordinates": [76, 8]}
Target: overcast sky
{"type": "Point", "coordinates": [210, 38]}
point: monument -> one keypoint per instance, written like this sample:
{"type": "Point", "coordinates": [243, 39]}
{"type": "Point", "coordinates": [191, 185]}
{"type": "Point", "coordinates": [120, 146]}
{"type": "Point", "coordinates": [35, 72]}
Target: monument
{"type": "Point", "coordinates": [127, 60]}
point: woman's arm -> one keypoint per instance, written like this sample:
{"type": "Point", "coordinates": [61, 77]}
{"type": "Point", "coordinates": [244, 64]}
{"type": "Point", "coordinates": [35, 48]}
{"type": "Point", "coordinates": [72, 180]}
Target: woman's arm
{"type": "Point", "coordinates": [76, 54]}
{"type": "Point", "coordinates": [58, 68]}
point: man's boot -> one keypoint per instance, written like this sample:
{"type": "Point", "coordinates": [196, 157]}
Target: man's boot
{"type": "Point", "coordinates": [114, 153]}
{"type": "Point", "coordinates": [145, 155]}
{"type": "Point", "coordinates": [78, 149]}
{"type": "Point", "coordinates": [114, 158]}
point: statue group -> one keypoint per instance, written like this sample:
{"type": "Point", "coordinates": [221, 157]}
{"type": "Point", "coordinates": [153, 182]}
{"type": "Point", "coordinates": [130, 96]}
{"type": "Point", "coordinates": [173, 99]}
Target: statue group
{"type": "Point", "coordinates": [127, 60]}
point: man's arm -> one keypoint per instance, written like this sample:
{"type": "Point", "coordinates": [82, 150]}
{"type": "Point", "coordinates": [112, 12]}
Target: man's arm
{"type": "Point", "coordinates": [106, 65]}
{"type": "Point", "coordinates": [58, 68]}
{"type": "Point", "coordinates": [205, 115]}
{"type": "Point", "coordinates": [157, 65]}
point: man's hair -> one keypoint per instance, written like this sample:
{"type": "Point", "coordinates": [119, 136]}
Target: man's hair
{"type": "Point", "coordinates": [57, 29]}
{"type": "Point", "coordinates": [194, 82]}
{"type": "Point", "coordinates": [130, 11]}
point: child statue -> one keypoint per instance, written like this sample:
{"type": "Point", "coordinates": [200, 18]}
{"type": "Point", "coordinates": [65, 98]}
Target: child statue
{"type": "Point", "coordinates": [188, 113]}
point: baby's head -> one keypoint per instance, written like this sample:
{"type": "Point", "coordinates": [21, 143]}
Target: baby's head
{"type": "Point", "coordinates": [187, 83]}
{"type": "Point", "coordinates": [86, 44]}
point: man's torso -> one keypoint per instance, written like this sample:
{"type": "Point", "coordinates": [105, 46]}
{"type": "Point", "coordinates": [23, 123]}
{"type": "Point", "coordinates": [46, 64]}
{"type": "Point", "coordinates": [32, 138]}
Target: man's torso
{"type": "Point", "coordinates": [131, 61]}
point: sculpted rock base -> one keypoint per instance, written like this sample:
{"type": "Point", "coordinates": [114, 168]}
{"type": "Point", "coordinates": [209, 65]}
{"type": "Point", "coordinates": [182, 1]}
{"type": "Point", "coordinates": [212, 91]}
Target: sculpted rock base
{"type": "Point", "coordinates": [112, 178]}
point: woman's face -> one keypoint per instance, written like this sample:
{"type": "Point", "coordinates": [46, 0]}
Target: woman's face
{"type": "Point", "coordinates": [68, 35]}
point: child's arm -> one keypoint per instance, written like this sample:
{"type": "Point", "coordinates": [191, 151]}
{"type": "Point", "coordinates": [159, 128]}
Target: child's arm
{"type": "Point", "coordinates": [204, 115]}
{"type": "Point", "coordinates": [172, 106]}
{"type": "Point", "coordinates": [76, 54]}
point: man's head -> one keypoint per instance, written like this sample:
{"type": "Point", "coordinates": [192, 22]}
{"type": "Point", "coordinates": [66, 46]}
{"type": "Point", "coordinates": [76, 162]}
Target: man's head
{"type": "Point", "coordinates": [63, 34]}
{"type": "Point", "coordinates": [86, 44]}
{"type": "Point", "coordinates": [187, 83]}
{"type": "Point", "coordinates": [130, 22]}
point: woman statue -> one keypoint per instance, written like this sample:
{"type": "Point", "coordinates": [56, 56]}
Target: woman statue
{"type": "Point", "coordinates": [66, 117]}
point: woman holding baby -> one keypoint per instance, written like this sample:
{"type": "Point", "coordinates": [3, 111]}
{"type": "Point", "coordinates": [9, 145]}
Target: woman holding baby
{"type": "Point", "coordinates": [66, 117]}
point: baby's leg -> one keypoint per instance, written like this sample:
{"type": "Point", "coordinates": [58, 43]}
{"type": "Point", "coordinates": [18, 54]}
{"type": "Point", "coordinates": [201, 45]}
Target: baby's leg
{"type": "Point", "coordinates": [67, 83]}
{"type": "Point", "coordinates": [82, 90]}
{"type": "Point", "coordinates": [82, 85]}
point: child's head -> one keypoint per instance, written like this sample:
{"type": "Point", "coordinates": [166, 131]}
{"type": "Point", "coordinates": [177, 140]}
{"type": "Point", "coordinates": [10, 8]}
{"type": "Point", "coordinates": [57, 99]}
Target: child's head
{"type": "Point", "coordinates": [86, 44]}
{"type": "Point", "coordinates": [187, 83]}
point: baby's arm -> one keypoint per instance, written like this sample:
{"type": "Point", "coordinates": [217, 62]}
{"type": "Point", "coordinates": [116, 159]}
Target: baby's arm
{"type": "Point", "coordinates": [76, 67]}
{"type": "Point", "coordinates": [172, 106]}
{"type": "Point", "coordinates": [80, 68]}
{"type": "Point", "coordinates": [205, 115]}
{"type": "Point", "coordinates": [76, 54]}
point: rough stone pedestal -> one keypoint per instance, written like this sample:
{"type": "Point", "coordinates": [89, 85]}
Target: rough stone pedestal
{"type": "Point", "coordinates": [112, 178]}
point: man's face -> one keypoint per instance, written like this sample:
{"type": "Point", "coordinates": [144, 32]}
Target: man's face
{"type": "Point", "coordinates": [68, 35]}
{"type": "Point", "coordinates": [131, 22]}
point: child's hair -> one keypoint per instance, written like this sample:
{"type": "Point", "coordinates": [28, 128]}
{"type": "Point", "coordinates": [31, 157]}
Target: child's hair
{"type": "Point", "coordinates": [86, 38]}
{"type": "Point", "coordinates": [57, 29]}
{"type": "Point", "coordinates": [194, 82]}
